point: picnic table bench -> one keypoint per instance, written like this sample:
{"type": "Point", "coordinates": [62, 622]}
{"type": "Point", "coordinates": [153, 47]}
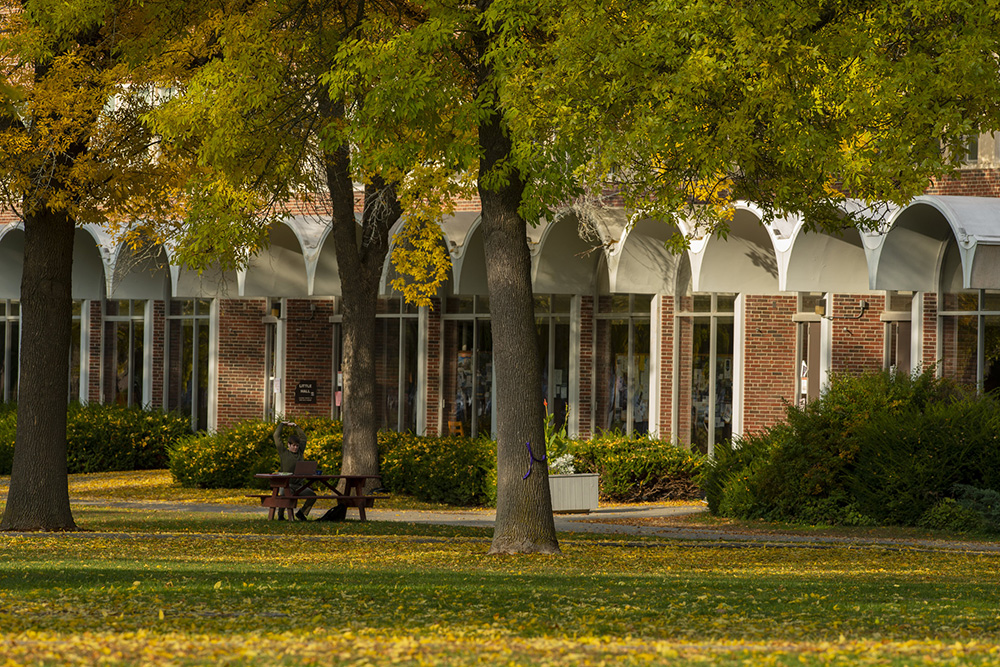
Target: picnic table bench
{"type": "Point", "coordinates": [324, 486]}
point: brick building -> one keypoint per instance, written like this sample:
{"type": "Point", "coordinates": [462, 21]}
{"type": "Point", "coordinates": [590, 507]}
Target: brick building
{"type": "Point", "coordinates": [694, 347]}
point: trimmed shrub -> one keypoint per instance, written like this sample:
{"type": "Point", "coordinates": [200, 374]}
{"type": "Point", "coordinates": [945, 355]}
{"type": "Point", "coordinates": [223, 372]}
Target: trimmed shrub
{"type": "Point", "coordinates": [103, 438]}
{"type": "Point", "coordinates": [639, 469]}
{"type": "Point", "coordinates": [230, 458]}
{"type": "Point", "coordinates": [984, 502]}
{"type": "Point", "coordinates": [875, 449]}
{"type": "Point", "coordinates": [453, 470]}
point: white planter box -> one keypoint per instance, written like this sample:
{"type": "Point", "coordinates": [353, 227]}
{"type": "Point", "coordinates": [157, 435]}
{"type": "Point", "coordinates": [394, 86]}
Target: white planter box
{"type": "Point", "coordinates": [573, 493]}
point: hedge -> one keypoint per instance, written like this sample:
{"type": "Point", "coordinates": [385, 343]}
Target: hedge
{"type": "Point", "coordinates": [452, 470]}
{"type": "Point", "coordinates": [639, 469]}
{"type": "Point", "coordinates": [103, 438]}
{"type": "Point", "coordinates": [878, 448]}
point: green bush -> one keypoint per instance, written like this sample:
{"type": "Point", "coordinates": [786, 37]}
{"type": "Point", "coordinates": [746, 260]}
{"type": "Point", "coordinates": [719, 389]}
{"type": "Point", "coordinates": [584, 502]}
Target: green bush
{"type": "Point", "coordinates": [453, 470]}
{"type": "Point", "coordinates": [949, 515]}
{"type": "Point", "coordinates": [877, 448]}
{"type": "Point", "coordinates": [102, 438]}
{"type": "Point", "coordinates": [984, 502]}
{"type": "Point", "coordinates": [638, 469]}
{"type": "Point", "coordinates": [230, 458]}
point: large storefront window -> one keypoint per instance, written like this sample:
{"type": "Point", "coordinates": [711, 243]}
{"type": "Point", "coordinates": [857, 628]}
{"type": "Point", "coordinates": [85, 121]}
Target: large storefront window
{"type": "Point", "coordinates": [970, 338]}
{"type": "Point", "coordinates": [75, 351]}
{"type": "Point", "coordinates": [124, 360]}
{"type": "Point", "coordinates": [710, 323]}
{"type": "Point", "coordinates": [10, 345]}
{"type": "Point", "coordinates": [623, 368]}
{"type": "Point", "coordinates": [552, 319]}
{"type": "Point", "coordinates": [396, 340]}
{"type": "Point", "coordinates": [188, 340]}
{"type": "Point", "coordinates": [810, 310]}
{"type": "Point", "coordinates": [897, 316]}
{"type": "Point", "coordinates": [468, 345]}
{"type": "Point", "coordinates": [968, 328]}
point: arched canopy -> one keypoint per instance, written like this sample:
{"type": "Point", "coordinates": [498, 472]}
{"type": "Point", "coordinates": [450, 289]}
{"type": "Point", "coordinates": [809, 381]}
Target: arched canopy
{"type": "Point", "coordinates": [562, 262]}
{"type": "Point", "coordinates": [910, 254]}
{"type": "Point", "coordinates": [140, 273]}
{"type": "Point", "coordinates": [11, 262]}
{"type": "Point", "coordinates": [326, 272]}
{"type": "Point", "coordinates": [826, 262]}
{"type": "Point", "coordinates": [745, 261]}
{"type": "Point", "coordinates": [641, 263]}
{"type": "Point", "coordinates": [279, 270]}
{"type": "Point", "coordinates": [88, 263]}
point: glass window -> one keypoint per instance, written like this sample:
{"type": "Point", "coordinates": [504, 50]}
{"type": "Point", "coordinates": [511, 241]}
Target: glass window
{"type": "Point", "coordinates": [188, 344]}
{"type": "Point", "coordinates": [10, 343]}
{"type": "Point", "coordinates": [553, 354]}
{"type": "Point", "coordinates": [709, 382]}
{"type": "Point", "coordinates": [622, 363]}
{"type": "Point", "coordinates": [123, 354]}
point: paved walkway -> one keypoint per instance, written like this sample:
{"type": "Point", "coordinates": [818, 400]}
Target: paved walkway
{"type": "Point", "coordinates": [649, 520]}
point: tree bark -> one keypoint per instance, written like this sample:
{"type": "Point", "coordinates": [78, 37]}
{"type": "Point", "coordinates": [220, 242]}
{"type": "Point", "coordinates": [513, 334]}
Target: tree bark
{"type": "Point", "coordinates": [524, 522]}
{"type": "Point", "coordinates": [360, 267]}
{"type": "Point", "coordinates": [38, 498]}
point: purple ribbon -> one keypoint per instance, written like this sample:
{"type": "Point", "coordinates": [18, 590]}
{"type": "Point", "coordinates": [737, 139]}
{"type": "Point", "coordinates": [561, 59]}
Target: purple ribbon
{"type": "Point", "coordinates": [532, 461]}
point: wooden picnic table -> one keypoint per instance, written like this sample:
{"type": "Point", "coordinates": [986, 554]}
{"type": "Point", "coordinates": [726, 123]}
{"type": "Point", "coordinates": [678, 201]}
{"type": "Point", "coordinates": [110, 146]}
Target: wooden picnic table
{"type": "Point", "coordinates": [324, 486]}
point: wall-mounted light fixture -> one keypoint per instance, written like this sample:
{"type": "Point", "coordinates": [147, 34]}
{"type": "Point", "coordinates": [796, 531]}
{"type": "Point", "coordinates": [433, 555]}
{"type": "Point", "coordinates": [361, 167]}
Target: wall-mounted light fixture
{"type": "Point", "coordinates": [862, 309]}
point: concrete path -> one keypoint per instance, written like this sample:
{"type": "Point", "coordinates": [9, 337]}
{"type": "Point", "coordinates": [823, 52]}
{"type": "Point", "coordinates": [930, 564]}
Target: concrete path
{"type": "Point", "coordinates": [648, 520]}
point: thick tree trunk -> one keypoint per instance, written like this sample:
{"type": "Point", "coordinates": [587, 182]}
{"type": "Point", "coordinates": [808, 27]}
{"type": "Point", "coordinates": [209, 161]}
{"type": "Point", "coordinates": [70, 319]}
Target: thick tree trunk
{"type": "Point", "coordinates": [360, 269]}
{"type": "Point", "coordinates": [39, 489]}
{"type": "Point", "coordinates": [524, 522]}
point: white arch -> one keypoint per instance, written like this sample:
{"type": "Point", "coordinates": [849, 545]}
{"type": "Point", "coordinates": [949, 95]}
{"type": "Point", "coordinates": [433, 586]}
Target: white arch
{"type": "Point", "coordinates": [641, 263]}
{"type": "Point", "coordinates": [139, 273]}
{"type": "Point", "coordinates": [89, 261]}
{"type": "Point", "coordinates": [746, 261]}
{"type": "Point", "coordinates": [562, 262]}
{"type": "Point", "coordinates": [279, 270]}
{"type": "Point", "coordinates": [909, 255]}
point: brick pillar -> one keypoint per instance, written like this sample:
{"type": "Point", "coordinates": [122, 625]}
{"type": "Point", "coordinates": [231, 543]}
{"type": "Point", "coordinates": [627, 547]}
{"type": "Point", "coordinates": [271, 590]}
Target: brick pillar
{"type": "Point", "coordinates": [666, 365]}
{"type": "Point", "coordinates": [585, 360]}
{"type": "Point", "coordinates": [858, 344]}
{"type": "Point", "coordinates": [93, 369]}
{"type": "Point", "coordinates": [308, 355]}
{"type": "Point", "coordinates": [432, 380]}
{"type": "Point", "coordinates": [158, 336]}
{"type": "Point", "coordinates": [241, 360]}
{"type": "Point", "coordinates": [769, 365]}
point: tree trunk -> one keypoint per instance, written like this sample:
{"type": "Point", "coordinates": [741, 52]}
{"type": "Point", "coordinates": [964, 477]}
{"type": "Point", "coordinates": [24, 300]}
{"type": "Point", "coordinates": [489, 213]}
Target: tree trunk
{"type": "Point", "coordinates": [524, 522]}
{"type": "Point", "coordinates": [39, 487]}
{"type": "Point", "coordinates": [360, 275]}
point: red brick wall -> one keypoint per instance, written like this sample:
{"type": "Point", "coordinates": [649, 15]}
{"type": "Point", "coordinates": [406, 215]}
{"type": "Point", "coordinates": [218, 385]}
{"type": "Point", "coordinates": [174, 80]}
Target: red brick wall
{"type": "Point", "coordinates": [241, 360]}
{"type": "Point", "coordinates": [685, 368]}
{"type": "Point", "coordinates": [585, 360]}
{"type": "Point", "coordinates": [928, 355]}
{"type": "Point", "coordinates": [969, 183]}
{"type": "Point", "coordinates": [308, 355]}
{"type": "Point", "coordinates": [858, 345]}
{"type": "Point", "coordinates": [666, 362]}
{"type": "Point", "coordinates": [159, 332]}
{"type": "Point", "coordinates": [94, 345]}
{"type": "Point", "coordinates": [768, 360]}
{"type": "Point", "coordinates": [433, 379]}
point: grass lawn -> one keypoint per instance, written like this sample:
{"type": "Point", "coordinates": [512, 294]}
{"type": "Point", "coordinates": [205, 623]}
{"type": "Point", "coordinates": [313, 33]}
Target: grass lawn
{"type": "Point", "coordinates": [184, 588]}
